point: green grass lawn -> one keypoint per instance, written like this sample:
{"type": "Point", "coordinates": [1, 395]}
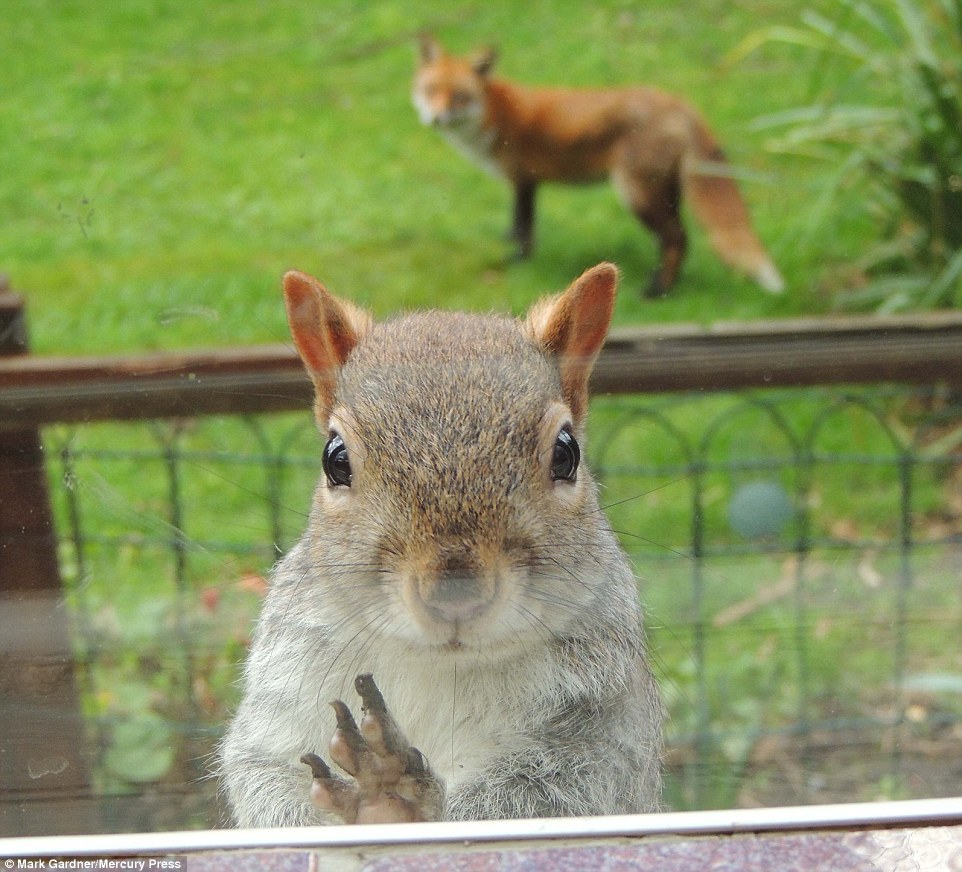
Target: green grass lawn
{"type": "Point", "coordinates": [163, 164]}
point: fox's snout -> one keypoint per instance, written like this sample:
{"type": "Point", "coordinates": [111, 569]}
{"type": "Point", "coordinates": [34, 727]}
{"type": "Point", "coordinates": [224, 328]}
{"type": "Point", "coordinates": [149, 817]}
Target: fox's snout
{"type": "Point", "coordinates": [436, 114]}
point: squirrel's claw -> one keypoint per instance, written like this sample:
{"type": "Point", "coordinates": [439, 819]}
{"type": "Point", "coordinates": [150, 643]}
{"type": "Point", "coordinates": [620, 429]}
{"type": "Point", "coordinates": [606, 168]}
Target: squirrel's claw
{"type": "Point", "coordinates": [372, 699]}
{"type": "Point", "coordinates": [392, 783]}
{"type": "Point", "coordinates": [330, 793]}
{"type": "Point", "coordinates": [319, 769]}
{"type": "Point", "coordinates": [382, 733]}
{"type": "Point", "coordinates": [352, 752]}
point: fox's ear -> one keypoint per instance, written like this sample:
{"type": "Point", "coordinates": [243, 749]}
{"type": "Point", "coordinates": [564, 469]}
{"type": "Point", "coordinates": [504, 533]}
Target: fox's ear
{"type": "Point", "coordinates": [483, 60]}
{"type": "Point", "coordinates": [325, 331]}
{"type": "Point", "coordinates": [430, 48]}
{"type": "Point", "coordinates": [571, 327]}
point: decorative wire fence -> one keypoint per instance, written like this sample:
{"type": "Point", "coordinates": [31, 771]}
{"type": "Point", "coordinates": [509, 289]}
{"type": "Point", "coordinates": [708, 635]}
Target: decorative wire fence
{"type": "Point", "coordinates": [799, 553]}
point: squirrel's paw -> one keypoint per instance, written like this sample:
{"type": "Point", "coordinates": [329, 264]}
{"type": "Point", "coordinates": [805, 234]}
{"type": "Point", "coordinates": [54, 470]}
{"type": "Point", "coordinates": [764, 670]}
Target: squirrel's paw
{"type": "Point", "coordinates": [392, 781]}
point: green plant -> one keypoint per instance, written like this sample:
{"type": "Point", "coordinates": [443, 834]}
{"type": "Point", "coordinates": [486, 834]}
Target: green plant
{"type": "Point", "coordinates": [904, 147]}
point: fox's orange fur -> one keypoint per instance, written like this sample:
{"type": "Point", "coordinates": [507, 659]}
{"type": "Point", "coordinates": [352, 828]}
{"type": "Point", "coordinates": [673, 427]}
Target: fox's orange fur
{"type": "Point", "coordinates": [651, 145]}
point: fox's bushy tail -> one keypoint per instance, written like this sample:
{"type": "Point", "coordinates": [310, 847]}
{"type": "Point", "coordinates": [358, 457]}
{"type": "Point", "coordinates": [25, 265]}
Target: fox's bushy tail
{"type": "Point", "coordinates": [718, 205]}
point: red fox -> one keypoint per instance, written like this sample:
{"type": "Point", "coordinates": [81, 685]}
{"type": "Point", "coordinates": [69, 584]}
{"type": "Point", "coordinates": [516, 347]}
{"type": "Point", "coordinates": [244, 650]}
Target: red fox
{"type": "Point", "coordinates": [650, 144]}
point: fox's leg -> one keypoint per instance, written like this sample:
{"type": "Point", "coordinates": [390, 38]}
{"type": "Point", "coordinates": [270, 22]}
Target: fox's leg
{"type": "Point", "coordinates": [653, 194]}
{"type": "Point", "coordinates": [661, 215]}
{"type": "Point", "coordinates": [522, 223]}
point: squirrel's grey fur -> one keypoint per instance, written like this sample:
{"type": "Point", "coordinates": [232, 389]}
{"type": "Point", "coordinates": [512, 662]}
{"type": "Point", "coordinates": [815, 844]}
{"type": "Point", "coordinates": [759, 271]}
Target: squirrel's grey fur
{"type": "Point", "coordinates": [547, 709]}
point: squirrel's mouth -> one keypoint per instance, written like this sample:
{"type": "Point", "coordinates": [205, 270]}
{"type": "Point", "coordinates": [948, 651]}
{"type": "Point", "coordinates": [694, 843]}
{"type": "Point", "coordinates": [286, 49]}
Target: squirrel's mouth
{"type": "Point", "coordinates": [451, 638]}
{"type": "Point", "coordinates": [457, 636]}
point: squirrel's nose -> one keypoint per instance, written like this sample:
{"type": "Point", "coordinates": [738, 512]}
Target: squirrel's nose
{"type": "Point", "coordinates": [457, 594]}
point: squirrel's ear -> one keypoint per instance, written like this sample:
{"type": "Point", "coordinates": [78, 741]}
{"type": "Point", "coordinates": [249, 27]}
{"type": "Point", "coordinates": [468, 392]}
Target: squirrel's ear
{"type": "Point", "coordinates": [325, 331]}
{"type": "Point", "coordinates": [571, 327]}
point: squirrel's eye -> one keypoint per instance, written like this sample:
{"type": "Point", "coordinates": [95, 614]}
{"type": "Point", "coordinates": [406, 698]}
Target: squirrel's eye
{"type": "Point", "coordinates": [566, 456]}
{"type": "Point", "coordinates": [336, 463]}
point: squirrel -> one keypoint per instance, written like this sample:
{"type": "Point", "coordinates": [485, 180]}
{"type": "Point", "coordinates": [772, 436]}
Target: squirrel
{"type": "Point", "coordinates": [458, 573]}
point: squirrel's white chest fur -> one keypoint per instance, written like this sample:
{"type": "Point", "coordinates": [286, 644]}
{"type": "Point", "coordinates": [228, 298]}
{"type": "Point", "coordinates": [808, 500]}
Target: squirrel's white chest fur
{"type": "Point", "coordinates": [453, 718]}
{"type": "Point", "coordinates": [458, 714]}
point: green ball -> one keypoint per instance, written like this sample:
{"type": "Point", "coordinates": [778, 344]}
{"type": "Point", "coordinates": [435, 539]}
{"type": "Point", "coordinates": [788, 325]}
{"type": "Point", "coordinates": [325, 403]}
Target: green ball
{"type": "Point", "coordinates": [759, 509]}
